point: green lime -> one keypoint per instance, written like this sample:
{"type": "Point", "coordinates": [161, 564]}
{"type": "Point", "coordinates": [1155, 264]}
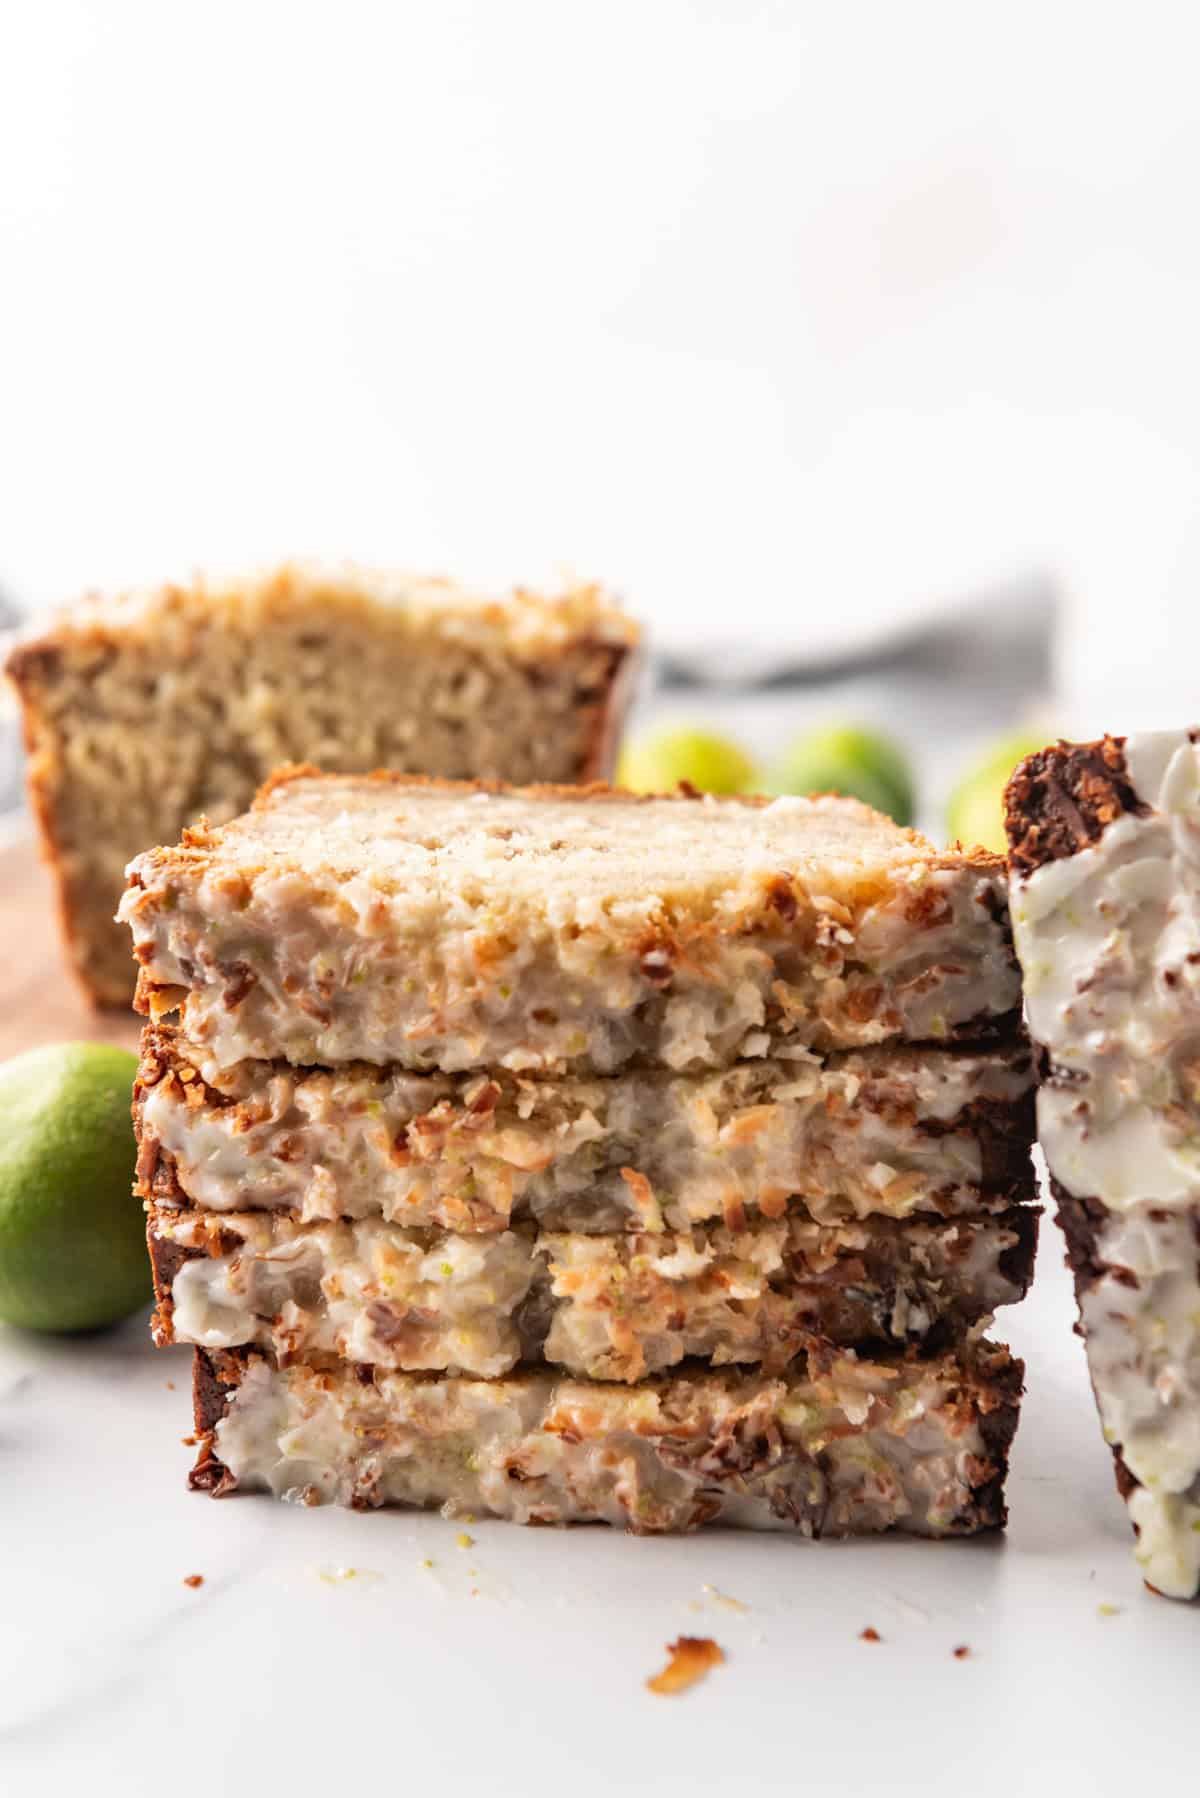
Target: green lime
{"type": "Point", "coordinates": [975, 811]}
{"type": "Point", "coordinates": [707, 762]}
{"type": "Point", "coordinates": [847, 759]}
{"type": "Point", "coordinates": [72, 1236]}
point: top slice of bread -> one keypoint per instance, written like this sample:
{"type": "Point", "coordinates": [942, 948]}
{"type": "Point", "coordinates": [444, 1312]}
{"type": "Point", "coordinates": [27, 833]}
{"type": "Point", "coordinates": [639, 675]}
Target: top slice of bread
{"type": "Point", "coordinates": [455, 925]}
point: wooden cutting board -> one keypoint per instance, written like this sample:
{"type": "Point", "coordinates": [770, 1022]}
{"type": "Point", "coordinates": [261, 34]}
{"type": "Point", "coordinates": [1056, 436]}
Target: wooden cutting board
{"type": "Point", "coordinates": [39, 1000]}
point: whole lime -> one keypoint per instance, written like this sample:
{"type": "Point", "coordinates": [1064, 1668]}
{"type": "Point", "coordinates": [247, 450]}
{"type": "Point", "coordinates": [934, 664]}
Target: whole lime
{"type": "Point", "coordinates": [72, 1236]}
{"type": "Point", "coordinates": [710, 763]}
{"type": "Point", "coordinates": [861, 764]}
{"type": "Point", "coordinates": [975, 812]}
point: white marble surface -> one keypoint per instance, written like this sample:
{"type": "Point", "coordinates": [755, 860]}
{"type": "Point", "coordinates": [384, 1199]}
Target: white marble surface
{"type": "Point", "coordinates": [517, 1664]}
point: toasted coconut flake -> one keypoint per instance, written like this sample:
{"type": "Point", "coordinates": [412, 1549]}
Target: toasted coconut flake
{"type": "Point", "coordinates": [724, 1599]}
{"type": "Point", "coordinates": [692, 1657]}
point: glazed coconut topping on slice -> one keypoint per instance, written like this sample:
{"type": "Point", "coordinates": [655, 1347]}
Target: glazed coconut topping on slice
{"type": "Point", "coordinates": [451, 926]}
{"type": "Point", "coordinates": [1106, 915]}
{"type": "Point", "coordinates": [894, 1132]}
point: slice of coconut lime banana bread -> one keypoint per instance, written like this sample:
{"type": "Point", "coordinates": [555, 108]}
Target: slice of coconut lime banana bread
{"type": "Point", "coordinates": [893, 1132]}
{"type": "Point", "coordinates": [603, 1307]}
{"type": "Point", "coordinates": [1105, 855]}
{"type": "Point", "coordinates": [455, 925]}
{"type": "Point", "coordinates": [145, 711]}
{"type": "Point", "coordinates": [841, 1446]}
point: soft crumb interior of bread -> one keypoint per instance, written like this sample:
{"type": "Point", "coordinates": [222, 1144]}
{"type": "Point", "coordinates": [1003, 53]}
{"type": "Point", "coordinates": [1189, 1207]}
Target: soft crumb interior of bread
{"type": "Point", "coordinates": [131, 744]}
{"type": "Point", "coordinates": [600, 843]}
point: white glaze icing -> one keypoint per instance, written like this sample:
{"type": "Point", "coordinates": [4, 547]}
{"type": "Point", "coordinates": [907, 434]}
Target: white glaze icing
{"type": "Point", "coordinates": [1109, 940]}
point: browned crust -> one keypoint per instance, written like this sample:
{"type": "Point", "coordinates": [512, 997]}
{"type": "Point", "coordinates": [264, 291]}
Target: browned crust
{"type": "Point", "coordinates": [214, 1380]}
{"type": "Point", "coordinates": [90, 622]}
{"type": "Point", "coordinates": [1005, 1132]}
{"type": "Point", "coordinates": [1080, 1221]}
{"type": "Point", "coordinates": [995, 1385]}
{"type": "Point", "coordinates": [1061, 800]}
{"type": "Point", "coordinates": [156, 1175]}
{"type": "Point", "coordinates": [992, 1381]}
{"type": "Point", "coordinates": [166, 1259]}
{"type": "Point", "coordinates": [607, 711]}
{"type": "Point", "coordinates": [30, 667]}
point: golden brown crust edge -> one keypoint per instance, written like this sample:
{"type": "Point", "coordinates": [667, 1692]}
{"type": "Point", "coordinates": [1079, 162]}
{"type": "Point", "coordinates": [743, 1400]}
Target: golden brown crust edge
{"type": "Point", "coordinates": [27, 667]}
{"type": "Point", "coordinates": [603, 739]}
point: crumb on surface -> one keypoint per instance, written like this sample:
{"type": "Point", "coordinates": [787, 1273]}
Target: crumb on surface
{"type": "Point", "coordinates": [426, 1562]}
{"type": "Point", "coordinates": [723, 1599]}
{"type": "Point", "coordinates": [463, 1540]}
{"type": "Point", "coordinates": [962, 1652]}
{"type": "Point", "coordinates": [170, 1385]}
{"type": "Point", "coordinates": [870, 1634]}
{"type": "Point", "coordinates": [193, 1580]}
{"type": "Point", "coordinates": [1108, 1610]}
{"type": "Point", "coordinates": [188, 1441]}
{"type": "Point", "coordinates": [691, 1658]}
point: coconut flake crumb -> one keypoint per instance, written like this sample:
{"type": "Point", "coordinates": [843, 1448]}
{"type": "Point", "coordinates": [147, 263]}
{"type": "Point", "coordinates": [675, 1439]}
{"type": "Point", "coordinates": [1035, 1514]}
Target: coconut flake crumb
{"type": "Point", "coordinates": [691, 1659]}
{"type": "Point", "coordinates": [193, 1580]}
{"type": "Point", "coordinates": [869, 1635]}
{"type": "Point", "coordinates": [723, 1599]}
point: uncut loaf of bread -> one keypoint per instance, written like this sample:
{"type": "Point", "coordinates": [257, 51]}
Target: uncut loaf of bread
{"type": "Point", "coordinates": [145, 711]}
{"type": "Point", "coordinates": [453, 926]}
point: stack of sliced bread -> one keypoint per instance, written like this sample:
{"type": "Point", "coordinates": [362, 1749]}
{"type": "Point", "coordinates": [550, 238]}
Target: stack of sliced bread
{"type": "Point", "coordinates": [552, 1154]}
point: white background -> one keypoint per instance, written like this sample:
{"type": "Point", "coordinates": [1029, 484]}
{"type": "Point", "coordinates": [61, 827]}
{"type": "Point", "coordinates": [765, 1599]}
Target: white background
{"type": "Point", "coordinates": [802, 316]}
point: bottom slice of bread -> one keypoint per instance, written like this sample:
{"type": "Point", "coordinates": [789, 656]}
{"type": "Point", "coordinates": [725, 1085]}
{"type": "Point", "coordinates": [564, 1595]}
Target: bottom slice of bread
{"type": "Point", "coordinates": [849, 1447]}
